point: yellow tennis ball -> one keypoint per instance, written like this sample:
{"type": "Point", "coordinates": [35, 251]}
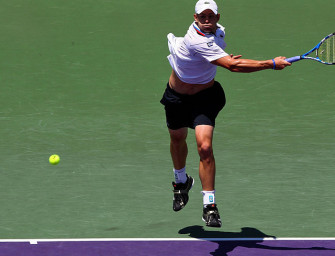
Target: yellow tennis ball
{"type": "Point", "coordinates": [54, 159]}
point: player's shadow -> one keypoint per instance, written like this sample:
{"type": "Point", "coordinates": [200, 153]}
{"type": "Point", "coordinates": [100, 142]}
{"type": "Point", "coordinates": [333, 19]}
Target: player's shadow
{"type": "Point", "coordinates": [224, 247]}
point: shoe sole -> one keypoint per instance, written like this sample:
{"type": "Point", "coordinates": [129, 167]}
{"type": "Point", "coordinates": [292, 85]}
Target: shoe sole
{"type": "Point", "coordinates": [212, 226]}
{"type": "Point", "coordinates": [192, 184]}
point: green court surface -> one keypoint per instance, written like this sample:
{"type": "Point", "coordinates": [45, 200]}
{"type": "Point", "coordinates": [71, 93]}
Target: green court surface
{"type": "Point", "coordinates": [83, 79]}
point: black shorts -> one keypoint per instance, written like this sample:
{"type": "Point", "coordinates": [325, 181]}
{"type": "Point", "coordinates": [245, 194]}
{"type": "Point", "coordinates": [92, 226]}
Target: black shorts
{"type": "Point", "coordinates": [191, 110]}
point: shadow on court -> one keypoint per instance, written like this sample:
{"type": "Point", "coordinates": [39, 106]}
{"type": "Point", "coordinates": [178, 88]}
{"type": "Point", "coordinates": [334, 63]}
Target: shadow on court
{"type": "Point", "coordinates": [224, 247]}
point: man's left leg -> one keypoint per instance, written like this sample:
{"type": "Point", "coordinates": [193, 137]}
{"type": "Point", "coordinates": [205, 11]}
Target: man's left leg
{"type": "Point", "coordinates": [204, 138]}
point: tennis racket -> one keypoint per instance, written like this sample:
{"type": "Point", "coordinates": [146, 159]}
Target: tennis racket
{"type": "Point", "coordinates": [324, 52]}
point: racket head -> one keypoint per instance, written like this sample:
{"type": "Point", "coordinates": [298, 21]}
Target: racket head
{"type": "Point", "coordinates": [325, 51]}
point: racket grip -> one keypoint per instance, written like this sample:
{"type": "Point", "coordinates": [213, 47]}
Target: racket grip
{"type": "Point", "coordinates": [293, 59]}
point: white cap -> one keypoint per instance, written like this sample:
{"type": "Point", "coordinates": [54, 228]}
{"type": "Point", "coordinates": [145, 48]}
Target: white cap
{"type": "Point", "coordinates": [202, 5]}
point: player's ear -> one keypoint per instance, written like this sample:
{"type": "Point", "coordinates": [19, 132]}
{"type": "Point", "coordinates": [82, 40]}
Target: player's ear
{"type": "Point", "coordinates": [218, 16]}
{"type": "Point", "coordinates": [195, 17]}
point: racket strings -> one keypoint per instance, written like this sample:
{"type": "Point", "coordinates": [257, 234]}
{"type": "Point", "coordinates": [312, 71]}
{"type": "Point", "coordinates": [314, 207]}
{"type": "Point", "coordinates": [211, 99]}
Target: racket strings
{"type": "Point", "coordinates": [326, 51]}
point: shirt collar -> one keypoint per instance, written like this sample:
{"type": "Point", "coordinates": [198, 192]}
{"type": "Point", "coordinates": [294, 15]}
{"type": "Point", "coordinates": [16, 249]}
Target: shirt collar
{"type": "Point", "coordinates": [219, 31]}
{"type": "Point", "coordinates": [198, 30]}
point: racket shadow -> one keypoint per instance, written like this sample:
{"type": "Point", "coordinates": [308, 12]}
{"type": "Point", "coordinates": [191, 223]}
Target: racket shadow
{"type": "Point", "coordinates": [226, 246]}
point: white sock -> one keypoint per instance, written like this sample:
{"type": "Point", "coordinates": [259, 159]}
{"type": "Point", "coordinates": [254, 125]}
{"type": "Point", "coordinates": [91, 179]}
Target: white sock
{"type": "Point", "coordinates": [180, 175]}
{"type": "Point", "coordinates": [208, 197]}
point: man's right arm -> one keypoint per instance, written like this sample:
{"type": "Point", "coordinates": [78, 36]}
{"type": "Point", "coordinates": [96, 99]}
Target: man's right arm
{"type": "Point", "coordinates": [236, 64]}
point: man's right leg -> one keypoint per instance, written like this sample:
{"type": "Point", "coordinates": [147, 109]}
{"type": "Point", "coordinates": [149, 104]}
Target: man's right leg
{"type": "Point", "coordinates": [178, 147]}
{"type": "Point", "coordinates": [183, 183]}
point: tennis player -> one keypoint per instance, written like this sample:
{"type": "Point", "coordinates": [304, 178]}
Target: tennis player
{"type": "Point", "coordinates": [193, 99]}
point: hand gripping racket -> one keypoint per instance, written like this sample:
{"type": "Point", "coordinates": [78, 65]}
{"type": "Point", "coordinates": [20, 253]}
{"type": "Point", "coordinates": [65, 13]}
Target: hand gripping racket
{"type": "Point", "coordinates": [324, 52]}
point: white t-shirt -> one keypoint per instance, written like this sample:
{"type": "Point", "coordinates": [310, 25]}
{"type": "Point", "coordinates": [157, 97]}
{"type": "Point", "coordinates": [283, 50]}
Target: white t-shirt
{"type": "Point", "coordinates": [190, 56]}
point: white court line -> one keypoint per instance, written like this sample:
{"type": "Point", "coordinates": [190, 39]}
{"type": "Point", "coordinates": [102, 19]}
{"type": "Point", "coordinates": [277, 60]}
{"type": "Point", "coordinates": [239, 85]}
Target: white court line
{"type": "Point", "coordinates": [36, 241]}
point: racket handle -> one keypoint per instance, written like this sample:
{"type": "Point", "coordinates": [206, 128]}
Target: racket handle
{"type": "Point", "coordinates": [293, 59]}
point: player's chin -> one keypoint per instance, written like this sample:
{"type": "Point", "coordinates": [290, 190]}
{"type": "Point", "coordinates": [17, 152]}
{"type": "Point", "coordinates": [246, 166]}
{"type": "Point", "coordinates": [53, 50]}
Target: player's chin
{"type": "Point", "coordinates": [208, 29]}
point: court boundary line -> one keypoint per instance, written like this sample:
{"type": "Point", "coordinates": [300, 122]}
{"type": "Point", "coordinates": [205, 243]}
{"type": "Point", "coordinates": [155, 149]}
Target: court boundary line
{"type": "Point", "coordinates": [36, 241]}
